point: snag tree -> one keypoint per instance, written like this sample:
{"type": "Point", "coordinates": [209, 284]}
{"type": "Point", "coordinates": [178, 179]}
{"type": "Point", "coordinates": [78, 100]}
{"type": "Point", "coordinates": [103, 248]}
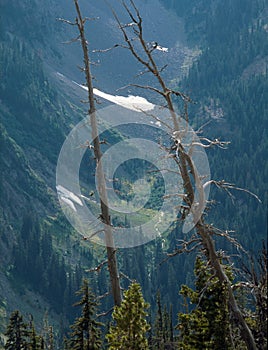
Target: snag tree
{"type": "Point", "coordinates": [92, 118]}
{"type": "Point", "coordinates": [204, 232]}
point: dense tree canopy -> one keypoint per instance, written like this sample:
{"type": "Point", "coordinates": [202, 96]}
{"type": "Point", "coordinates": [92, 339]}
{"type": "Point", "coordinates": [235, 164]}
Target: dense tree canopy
{"type": "Point", "coordinates": [130, 325]}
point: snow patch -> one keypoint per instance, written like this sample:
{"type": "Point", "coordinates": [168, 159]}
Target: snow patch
{"type": "Point", "coordinates": [134, 103]}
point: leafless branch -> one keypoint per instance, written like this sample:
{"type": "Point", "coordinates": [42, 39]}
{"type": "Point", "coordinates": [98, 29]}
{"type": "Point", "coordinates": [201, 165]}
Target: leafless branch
{"type": "Point", "coordinates": [200, 129]}
{"type": "Point", "coordinates": [144, 87]}
{"type": "Point", "coordinates": [142, 73]}
{"type": "Point", "coordinates": [204, 289]}
{"type": "Point", "coordinates": [187, 246]}
{"type": "Point", "coordinates": [210, 143]}
{"type": "Point", "coordinates": [104, 295]}
{"type": "Point", "coordinates": [181, 195]}
{"type": "Point", "coordinates": [126, 277]}
{"type": "Point", "coordinates": [105, 313]}
{"type": "Point", "coordinates": [158, 119]}
{"type": "Point", "coordinates": [163, 170]}
{"type": "Point", "coordinates": [107, 50]}
{"type": "Point", "coordinates": [99, 267]}
{"type": "Point", "coordinates": [226, 234]}
{"type": "Point", "coordinates": [71, 41]}
{"type": "Point", "coordinates": [228, 186]}
{"type": "Point", "coordinates": [190, 177]}
{"type": "Point", "coordinates": [66, 21]}
{"type": "Point", "coordinates": [91, 18]}
{"type": "Point", "coordinates": [105, 212]}
{"type": "Point", "coordinates": [163, 68]}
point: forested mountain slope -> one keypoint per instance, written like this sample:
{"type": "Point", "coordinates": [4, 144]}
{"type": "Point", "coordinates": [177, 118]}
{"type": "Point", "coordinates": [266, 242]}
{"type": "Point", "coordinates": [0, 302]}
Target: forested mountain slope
{"type": "Point", "coordinates": [42, 259]}
{"type": "Point", "coordinates": [229, 83]}
{"type": "Point", "coordinates": [37, 111]}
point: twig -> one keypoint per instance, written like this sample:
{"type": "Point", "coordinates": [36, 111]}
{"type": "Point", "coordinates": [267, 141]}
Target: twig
{"type": "Point", "coordinates": [105, 313]}
{"type": "Point", "coordinates": [103, 295]}
{"type": "Point", "coordinates": [228, 186]}
{"type": "Point", "coordinates": [126, 277]}
{"type": "Point", "coordinates": [98, 268]}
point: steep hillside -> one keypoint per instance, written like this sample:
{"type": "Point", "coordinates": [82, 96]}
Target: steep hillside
{"type": "Point", "coordinates": [33, 122]}
{"type": "Point", "coordinates": [42, 260]}
{"type": "Point", "coordinates": [229, 84]}
{"type": "Point", "coordinates": [37, 110]}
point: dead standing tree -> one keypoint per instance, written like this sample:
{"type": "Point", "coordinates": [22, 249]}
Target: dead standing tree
{"type": "Point", "coordinates": [191, 180]}
{"type": "Point", "coordinates": [105, 215]}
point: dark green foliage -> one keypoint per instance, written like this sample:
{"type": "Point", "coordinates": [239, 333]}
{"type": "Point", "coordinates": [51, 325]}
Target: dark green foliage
{"type": "Point", "coordinates": [36, 111]}
{"type": "Point", "coordinates": [36, 342]}
{"type": "Point", "coordinates": [137, 169]}
{"type": "Point", "coordinates": [86, 333]}
{"type": "Point", "coordinates": [16, 333]}
{"type": "Point", "coordinates": [256, 271]}
{"type": "Point", "coordinates": [22, 336]}
{"type": "Point", "coordinates": [261, 291]}
{"type": "Point", "coordinates": [159, 332]}
{"type": "Point", "coordinates": [130, 327]}
{"type": "Point", "coordinates": [38, 265]}
{"type": "Point", "coordinates": [18, 17]}
{"type": "Point", "coordinates": [48, 335]}
{"type": "Point", "coordinates": [229, 71]}
{"type": "Point", "coordinates": [163, 332]}
{"type": "Point", "coordinates": [215, 22]}
{"type": "Point", "coordinates": [207, 325]}
{"type": "Point", "coordinates": [231, 75]}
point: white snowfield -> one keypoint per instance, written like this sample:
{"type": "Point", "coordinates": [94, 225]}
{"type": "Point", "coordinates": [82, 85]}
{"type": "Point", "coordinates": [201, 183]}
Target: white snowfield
{"type": "Point", "coordinates": [134, 103]}
{"type": "Point", "coordinates": [68, 202]}
{"type": "Point", "coordinates": [68, 197]}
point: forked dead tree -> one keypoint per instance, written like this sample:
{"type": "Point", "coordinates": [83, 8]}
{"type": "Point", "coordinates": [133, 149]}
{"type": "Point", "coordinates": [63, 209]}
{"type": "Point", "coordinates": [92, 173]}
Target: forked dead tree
{"type": "Point", "coordinates": [205, 233]}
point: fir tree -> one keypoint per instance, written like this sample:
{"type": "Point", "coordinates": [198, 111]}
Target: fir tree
{"type": "Point", "coordinates": [86, 334]}
{"type": "Point", "coordinates": [47, 334]}
{"type": "Point", "coordinates": [130, 328]}
{"type": "Point", "coordinates": [159, 337]}
{"type": "Point", "coordinates": [207, 326]}
{"type": "Point", "coordinates": [36, 342]}
{"type": "Point", "coordinates": [163, 338]}
{"type": "Point", "coordinates": [21, 335]}
{"type": "Point", "coordinates": [16, 333]}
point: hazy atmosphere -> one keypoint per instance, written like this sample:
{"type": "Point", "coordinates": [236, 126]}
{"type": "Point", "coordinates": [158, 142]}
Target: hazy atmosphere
{"type": "Point", "coordinates": [133, 174]}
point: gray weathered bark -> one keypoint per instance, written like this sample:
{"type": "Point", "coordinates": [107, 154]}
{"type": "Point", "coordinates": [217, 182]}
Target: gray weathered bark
{"type": "Point", "coordinates": [187, 167]}
{"type": "Point", "coordinates": [110, 248]}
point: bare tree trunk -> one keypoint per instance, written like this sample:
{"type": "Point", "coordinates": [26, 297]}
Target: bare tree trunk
{"type": "Point", "coordinates": [209, 245]}
{"type": "Point", "coordinates": [186, 165]}
{"type": "Point", "coordinates": [110, 248]}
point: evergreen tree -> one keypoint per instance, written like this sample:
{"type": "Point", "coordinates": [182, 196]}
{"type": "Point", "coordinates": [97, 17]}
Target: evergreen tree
{"type": "Point", "coordinates": [257, 276]}
{"type": "Point", "coordinates": [159, 337]}
{"type": "Point", "coordinates": [86, 334]}
{"type": "Point", "coordinates": [163, 338]}
{"type": "Point", "coordinates": [22, 336]}
{"type": "Point", "coordinates": [207, 326]}
{"type": "Point", "coordinates": [130, 328]}
{"type": "Point", "coordinates": [47, 334]}
{"type": "Point", "coordinates": [169, 343]}
{"type": "Point", "coordinates": [36, 342]}
{"type": "Point", "coordinates": [16, 333]}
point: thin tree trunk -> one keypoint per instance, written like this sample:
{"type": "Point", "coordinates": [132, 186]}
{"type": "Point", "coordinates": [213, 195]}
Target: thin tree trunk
{"type": "Point", "coordinates": [109, 241]}
{"type": "Point", "coordinates": [187, 167]}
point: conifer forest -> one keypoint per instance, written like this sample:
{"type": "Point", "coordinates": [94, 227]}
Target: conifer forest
{"type": "Point", "coordinates": [133, 174]}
